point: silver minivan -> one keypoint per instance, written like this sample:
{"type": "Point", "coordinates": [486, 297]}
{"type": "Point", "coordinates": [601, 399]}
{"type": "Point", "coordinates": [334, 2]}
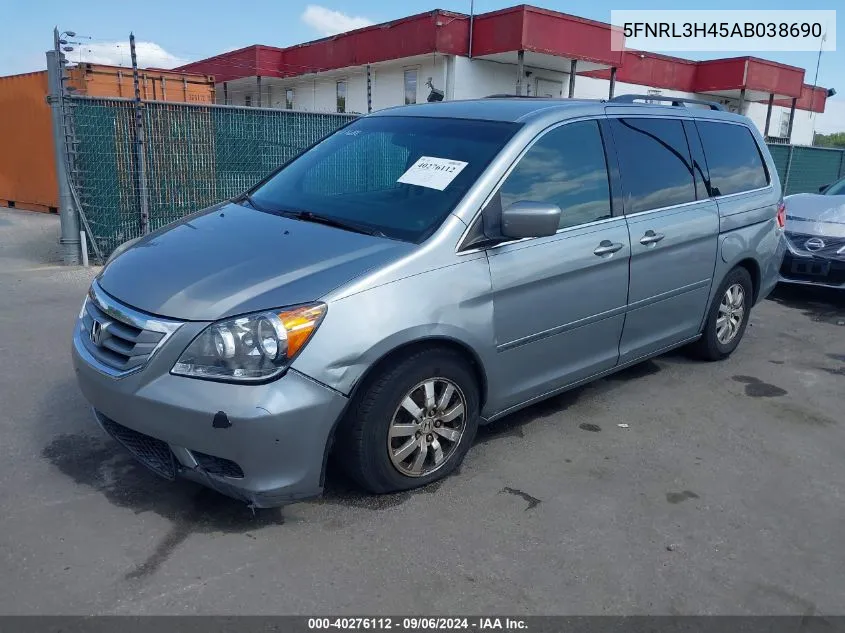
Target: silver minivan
{"type": "Point", "coordinates": [419, 272]}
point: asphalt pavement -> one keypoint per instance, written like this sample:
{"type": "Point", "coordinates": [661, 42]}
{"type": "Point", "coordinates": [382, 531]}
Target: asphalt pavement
{"type": "Point", "coordinates": [722, 495]}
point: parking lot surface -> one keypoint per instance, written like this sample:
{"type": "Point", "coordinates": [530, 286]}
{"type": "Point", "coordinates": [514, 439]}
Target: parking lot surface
{"type": "Point", "coordinates": [723, 495]}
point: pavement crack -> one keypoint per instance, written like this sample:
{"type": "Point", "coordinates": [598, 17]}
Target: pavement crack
{"type": "Point", "coordinates": [533, 502]}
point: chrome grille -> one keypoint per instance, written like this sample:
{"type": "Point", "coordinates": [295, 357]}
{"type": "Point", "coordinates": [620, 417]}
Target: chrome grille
{"type": "Point", "coordinates": [119, 339]}
{"type": "Point", "coordinates": [834, 247]}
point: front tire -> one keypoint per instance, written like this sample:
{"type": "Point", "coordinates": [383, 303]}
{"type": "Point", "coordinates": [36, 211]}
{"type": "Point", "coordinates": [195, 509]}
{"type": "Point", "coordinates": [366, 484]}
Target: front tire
{"type": "Point", "coordinates": [727, 318]}
{"type": "Point", "coordinates": [412, 423]}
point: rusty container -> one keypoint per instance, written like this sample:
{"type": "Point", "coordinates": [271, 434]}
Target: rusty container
{"type": "Point", "coordinates": [27, 157]}
{"type": "Point", "coordinates": [27, 160]}
{"type": "Point", "coordinates": [98, 80]}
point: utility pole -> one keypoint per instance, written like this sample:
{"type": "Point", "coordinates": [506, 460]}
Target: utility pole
{"type": "Point", "coordinates": [471, 21]}
{"type": "Point", "coordinates": [815, 84]}
{"type": "Point", "coordinates": [140, 157]}
{"type": "Point", "coordinates": [68, 214]}
{"type": "Point", "coordinates": [369, 90]}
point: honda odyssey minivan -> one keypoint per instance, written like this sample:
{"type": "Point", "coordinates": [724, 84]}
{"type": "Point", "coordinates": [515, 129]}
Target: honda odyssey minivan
{"type": "Point", "coordinates": [421, 271]}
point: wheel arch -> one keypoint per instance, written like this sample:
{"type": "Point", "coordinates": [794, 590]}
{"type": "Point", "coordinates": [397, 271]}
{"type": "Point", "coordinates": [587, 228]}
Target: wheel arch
{"type": "Point", "coordinates": [409, 347]}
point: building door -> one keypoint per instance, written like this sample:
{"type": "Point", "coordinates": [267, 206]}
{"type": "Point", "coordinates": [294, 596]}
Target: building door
{"type": "Point", "coordinates": [548, 88]}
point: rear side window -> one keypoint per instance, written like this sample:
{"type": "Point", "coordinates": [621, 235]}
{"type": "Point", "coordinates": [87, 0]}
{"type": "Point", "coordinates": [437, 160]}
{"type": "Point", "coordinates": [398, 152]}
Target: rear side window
{"type": "Point", "coordinates": [655, 163]}
{"type": "Point", "coordinates": [565, 167]}
{"type": "Point", "coordinates": [733, 158]}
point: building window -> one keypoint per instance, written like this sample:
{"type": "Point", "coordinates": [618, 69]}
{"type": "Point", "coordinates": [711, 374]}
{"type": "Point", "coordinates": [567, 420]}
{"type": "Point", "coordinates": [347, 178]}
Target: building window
{"type": "Point", "coordinates": [784, 124]}
{"type": "Point", "coordinates": [341, 96]}
{"type": "Point", "coordinates": [410, 86]}
{"type": "Point", "coordinates": [289, 99]}
{"type": "Point", "coordinates": [247, 100]}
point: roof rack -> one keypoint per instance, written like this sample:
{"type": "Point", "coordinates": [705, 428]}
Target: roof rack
{"type": "Point", "coordinates": [510, 96]}
{"type": "Point", "coordinates": [676, 101]}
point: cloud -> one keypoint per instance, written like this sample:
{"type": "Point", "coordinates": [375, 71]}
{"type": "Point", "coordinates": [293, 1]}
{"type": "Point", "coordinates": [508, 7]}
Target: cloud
{"type": "Point", "coordinates": [328, 22]}
{"type": "Point", "coordinates": [117, 54]}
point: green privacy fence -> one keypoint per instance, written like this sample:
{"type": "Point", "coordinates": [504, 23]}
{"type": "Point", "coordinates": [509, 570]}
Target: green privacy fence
{"type": "Point", "coordinates": [195, 156]}
{"type": "Point", "coordinates": [804, 169]}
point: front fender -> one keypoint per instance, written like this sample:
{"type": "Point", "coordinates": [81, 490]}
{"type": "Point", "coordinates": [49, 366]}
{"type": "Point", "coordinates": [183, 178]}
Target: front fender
{"type": "Point", "coordinates": [452, 302]}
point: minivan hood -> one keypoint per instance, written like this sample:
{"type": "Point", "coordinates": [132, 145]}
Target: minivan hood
{"type": "Point", "coordinates": [233, 259]}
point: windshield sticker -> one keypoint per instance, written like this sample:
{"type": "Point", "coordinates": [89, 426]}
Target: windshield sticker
{"type": "Point", "coordinates": [434, 173]}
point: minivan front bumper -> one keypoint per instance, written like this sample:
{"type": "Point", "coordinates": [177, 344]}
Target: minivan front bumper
{"type": "Point", "coordinates": [263, 444]}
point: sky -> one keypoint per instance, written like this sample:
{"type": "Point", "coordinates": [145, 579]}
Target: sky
{"type": "Point", "coordinates": [174, 32]}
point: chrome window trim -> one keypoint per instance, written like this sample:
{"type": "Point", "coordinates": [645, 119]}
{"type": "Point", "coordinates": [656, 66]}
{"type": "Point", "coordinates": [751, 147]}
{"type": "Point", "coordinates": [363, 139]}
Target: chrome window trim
{"type": "Point", "coordinates": [742, 193]}
{"type": "Point", "coordinates": [703, 200]}
{"type": "Point", "coordinates": [566, 229]}
{"type": "Point", "coordinates": [511, 167]}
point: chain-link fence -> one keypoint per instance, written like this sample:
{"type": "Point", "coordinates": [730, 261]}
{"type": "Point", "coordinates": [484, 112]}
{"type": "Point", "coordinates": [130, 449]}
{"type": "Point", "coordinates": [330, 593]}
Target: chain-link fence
{"type": "Point", "coordinates": [805, 169]}
{"type": "Point", "coordinates": [195, 156]}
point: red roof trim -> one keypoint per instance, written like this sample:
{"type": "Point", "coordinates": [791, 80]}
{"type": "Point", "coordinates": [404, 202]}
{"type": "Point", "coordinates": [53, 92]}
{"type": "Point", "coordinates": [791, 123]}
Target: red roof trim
{"type": "Point", "coordinates": [807, 101]}
{"type": "Point", "coordinates": [521, 27]}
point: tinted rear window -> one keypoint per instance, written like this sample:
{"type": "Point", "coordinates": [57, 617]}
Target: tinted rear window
{"type": "Point", "coordinates": [733, 158]}
{"type": "Point", "coordinates": [655, 163]}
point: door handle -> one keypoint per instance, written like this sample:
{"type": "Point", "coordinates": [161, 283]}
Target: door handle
{"type": "Point", "coordinates": [651, 237]}
{"type": "Point", "coordinates": [606, 247]}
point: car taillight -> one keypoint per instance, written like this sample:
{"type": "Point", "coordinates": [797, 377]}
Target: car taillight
{"type": "Point", "coordinates": [781, 217]}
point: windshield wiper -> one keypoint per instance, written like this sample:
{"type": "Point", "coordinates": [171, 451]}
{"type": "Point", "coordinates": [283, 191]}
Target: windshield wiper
{"type": "Point", "coordinates": [247, 196]}
{"type": "Point", "coordinates": [308, 216]}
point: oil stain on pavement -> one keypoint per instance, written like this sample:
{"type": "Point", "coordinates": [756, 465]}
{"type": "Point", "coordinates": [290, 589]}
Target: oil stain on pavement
{"type": "Point", "coordinates": [102, 465]}
{"type": "Point", "coordinates": [679, 497]}
{"type": "Point", "coordinates": [756, 388]}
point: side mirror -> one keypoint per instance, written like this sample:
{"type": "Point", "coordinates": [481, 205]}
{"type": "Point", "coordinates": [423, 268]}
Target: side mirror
{"type": "Point", "coordinates": [530, 219]}
{"type": "Point", "coordinates": [823, 188]}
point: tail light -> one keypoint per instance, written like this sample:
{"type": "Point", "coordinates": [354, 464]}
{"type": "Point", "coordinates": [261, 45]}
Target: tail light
{"type": "Point", "coordinates": [781, 216]}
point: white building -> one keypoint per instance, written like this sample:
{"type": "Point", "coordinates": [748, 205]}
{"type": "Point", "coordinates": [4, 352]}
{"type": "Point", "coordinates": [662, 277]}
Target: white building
{"type": "Point", "coordinates": [521, 50]}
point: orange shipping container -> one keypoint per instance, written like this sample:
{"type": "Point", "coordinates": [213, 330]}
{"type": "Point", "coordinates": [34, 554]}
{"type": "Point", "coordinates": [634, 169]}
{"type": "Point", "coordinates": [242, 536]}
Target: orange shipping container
{"type": "Point", "coordinates": [97, 80]}
{"type": "Point", "coordinates": [27, 162]}
{"type": "Point", "coordinates": [27, 158]}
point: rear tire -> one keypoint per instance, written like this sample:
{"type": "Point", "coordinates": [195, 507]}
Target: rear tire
{"type": "Point", "coordinates": [412, 423]}
{"type": "Point", "coordinates": [727, 317]}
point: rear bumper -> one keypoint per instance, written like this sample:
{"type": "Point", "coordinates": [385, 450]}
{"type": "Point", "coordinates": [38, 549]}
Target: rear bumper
{"type": "Point", "coordinates": [269, 441]}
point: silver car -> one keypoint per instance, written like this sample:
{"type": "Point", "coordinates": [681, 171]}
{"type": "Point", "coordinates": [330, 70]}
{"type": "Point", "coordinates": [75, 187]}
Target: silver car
{"type": "Point", "coordinates": [421, 271]}
{"type": "Point", "coordinates": [815, 238]}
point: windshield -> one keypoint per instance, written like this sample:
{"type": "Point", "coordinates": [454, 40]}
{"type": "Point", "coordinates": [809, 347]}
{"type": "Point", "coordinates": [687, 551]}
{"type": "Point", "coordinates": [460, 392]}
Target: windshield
{"type": "Point", "coordinates": [395, 176]}
{"type": "Point", "coordinates": [836, 189]}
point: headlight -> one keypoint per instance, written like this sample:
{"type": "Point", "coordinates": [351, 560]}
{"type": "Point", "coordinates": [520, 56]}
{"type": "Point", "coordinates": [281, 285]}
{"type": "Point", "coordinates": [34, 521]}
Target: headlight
{"type": "Point", "coordinates": [252, 348]}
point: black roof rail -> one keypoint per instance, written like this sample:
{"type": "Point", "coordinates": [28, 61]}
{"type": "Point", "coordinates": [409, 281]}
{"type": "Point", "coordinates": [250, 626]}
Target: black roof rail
{"type": "Point", "coordinates": [510, 96]}
{"type": "Point", "coordinates": [676, 101]}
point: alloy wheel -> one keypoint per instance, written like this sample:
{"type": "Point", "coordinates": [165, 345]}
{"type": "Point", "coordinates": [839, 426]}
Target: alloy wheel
{"type": "Point", "coordinates": [731, 313]}
{"type": "Point", "coordinates": [427, 427]}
